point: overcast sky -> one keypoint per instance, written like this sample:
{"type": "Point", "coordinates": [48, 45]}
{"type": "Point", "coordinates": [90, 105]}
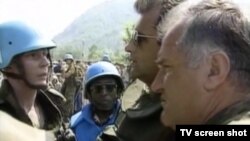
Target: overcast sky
{"type": "Point", "coordinates": [49, 16]}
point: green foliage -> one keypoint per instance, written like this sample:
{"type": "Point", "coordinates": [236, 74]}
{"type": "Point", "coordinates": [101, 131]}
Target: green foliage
{"type": "Point", "coordinates": [59, 52]}
{"type": "Point", "coordinates": [128, 31]}
{"type": "Point", "coordinates": [117, 56]}
{"type": "Point", "coordinates": [102, 26]}
{"type": "Point", "coordinates": [99, 31]}
{"type": "Point", "coordinates": [95, 53]}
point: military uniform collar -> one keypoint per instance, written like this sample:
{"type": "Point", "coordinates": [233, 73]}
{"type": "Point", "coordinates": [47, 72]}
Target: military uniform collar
{"type": "Point", "coordinates": [233, 112]}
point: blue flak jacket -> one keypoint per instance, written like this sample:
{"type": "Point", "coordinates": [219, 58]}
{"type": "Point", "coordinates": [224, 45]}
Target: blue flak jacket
{"type": "Point", "coordinates": [84, 126]}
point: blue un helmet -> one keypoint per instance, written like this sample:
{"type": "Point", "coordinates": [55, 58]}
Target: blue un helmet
{"type": "Point", "coordinates": [17, 38]}
{"type": "Point", "coordinates": [100, 69]}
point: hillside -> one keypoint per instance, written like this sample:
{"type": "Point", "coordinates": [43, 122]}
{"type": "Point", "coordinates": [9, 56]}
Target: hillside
{"type": "Point", "coordinates": [101, 26]}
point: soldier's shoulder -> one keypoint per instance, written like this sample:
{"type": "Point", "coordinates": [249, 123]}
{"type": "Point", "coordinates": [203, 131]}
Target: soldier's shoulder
{"type": "Point", "coordinates": [132, 93]}
{"type": "Point", "coordinates": [55, 93]}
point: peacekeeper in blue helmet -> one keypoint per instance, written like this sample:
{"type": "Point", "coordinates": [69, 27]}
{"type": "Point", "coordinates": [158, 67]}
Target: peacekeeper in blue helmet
{"type": "Point", "coordinates": [103, 88]}
{"type": "Point", "coordinates": [26, 64]}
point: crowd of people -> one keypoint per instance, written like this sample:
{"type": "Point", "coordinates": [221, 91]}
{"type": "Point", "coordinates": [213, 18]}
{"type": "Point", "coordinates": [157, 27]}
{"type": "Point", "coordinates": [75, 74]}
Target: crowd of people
{"type": "Point", "coordinates": [175, 42]}
{"type": "Point", "coordinates": [68, 77]}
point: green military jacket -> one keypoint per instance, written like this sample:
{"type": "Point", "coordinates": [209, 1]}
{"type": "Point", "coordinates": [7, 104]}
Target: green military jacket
{"type": "Point", "coordinates": [238, 113]}
{"type": "Point", "coordinates": [53, 118]}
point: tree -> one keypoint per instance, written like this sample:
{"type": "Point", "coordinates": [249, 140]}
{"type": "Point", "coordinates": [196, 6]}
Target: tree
{"type": "Point", "coordinates": [128, 32]}
{"type": "Point", "coordinates": [95, 53]}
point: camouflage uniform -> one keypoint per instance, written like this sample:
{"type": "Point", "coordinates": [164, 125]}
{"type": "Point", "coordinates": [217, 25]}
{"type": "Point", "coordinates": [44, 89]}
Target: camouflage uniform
{"type": "Point", "coordinates": [238, 113]}
{"type": "Point", "coordinates": [69, 88]}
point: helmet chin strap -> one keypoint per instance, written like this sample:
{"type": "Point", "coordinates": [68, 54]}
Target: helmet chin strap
{"type": "Point", "coordinates": [39, 86]}
{"type": "Point", "coordinates": [34, 86]}
{"type": "Point", "coordinates": [12, 75]}
{"type": "Point", "coordinates": [22, 77]}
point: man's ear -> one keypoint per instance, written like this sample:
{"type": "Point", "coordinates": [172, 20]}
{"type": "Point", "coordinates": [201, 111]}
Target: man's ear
{"type": "Point", "coordinates": [219, 69]}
